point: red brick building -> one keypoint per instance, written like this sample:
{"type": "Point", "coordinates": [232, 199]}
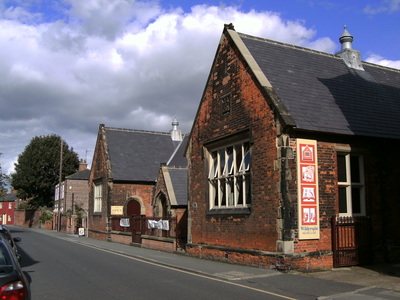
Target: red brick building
{"type": "Point", "coordinates": [7, 207]}
{"type": "Point", "coordinates": [170, 202]}
{"type": "Point", "coordinates": [74, 201]}
{"type": "Point", "coordinates": [123, 178]}
{"type": "Point", "coordinates": [291, 150]}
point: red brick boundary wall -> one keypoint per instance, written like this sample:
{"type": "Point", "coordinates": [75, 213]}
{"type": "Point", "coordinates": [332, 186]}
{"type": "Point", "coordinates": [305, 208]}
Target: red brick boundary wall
{"type": "Point", "coordinates": [121, 237]}
{"type": "Point", "coordinates": [264, 259]}
{"type": "Point", "coordinates": [27, 217]}
{"type": "Point", "coordinates": [159, 243]}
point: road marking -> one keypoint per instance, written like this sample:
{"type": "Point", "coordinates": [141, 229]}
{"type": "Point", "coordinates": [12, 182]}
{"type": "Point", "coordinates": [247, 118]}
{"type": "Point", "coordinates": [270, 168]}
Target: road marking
{"type": "Point", "coordinates": [186, 272]}
{"type": "Point", "coordinates": [234, 275]}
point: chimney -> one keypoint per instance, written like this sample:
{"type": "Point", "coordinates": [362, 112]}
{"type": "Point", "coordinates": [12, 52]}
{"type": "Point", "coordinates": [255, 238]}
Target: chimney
{"type": "Point", "coordinates": [176, 134]}
{"type": "Point", "coordinates": [351, 57]}
{"type": "Point", "coordinates": [82, 165]}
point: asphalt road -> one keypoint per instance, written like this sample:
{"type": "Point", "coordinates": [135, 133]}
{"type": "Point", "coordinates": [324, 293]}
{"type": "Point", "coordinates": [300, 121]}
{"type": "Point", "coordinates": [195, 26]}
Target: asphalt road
{"type": "Point", "coordinates": [63, 266]}
{"type": "Point", "coordinates": [59, 269]}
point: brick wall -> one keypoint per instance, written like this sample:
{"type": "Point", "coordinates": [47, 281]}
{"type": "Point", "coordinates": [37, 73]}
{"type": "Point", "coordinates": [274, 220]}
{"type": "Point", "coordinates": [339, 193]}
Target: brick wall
{"type": "Point", "coordinates": [114, 193]}
{"type": "Point", "coordinates": [233, 103]}
{"type": "Point", "coordinates": [77, 192]}
{"type": "Point", "coordinates": [159, 243]}
{"type": "Point", "coordinates": [124, 192]}
{"type": "Point", "coordinates": [328, 205]}
{"type": "Point", "coordinates": [248, 111]}
{"type": "Point", "coordinates": [98, 173]}
{"type": "Point", "coordinates": [381, 173]}
{"type": "Point", "coordinates": [27, 217]}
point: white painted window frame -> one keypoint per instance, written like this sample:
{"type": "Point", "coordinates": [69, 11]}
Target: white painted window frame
{"type": "Point", "coordinates": [98, 197]}
{"type": "Point", "coordinates": [228, 177]}
{"type": "Point", "coordinates": [349, 184]}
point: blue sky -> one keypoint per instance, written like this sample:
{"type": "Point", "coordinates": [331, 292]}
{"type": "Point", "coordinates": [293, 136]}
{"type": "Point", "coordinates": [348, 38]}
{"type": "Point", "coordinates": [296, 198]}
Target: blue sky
{"type": "Point", "coordinates": [69, 65]}
{"type": "Point", "coordinates": [374, 24]}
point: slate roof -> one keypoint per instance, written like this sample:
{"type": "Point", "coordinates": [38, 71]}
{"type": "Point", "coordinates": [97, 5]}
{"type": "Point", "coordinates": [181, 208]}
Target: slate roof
{"type": "Point", "coordinates": [179, 178]}
{"type": "Point", "coordinates": [136, 155]}
{"type": "Point", "coordinates": [320, 93]}
{"type": "Point", "coordinates": [80, 175]}
{"type": "Point", "coordinates": [177, 169]}
{"type": "Point", "coordinates": [178, 158]}
{"type": "Point", "coordinates": [9, 197]}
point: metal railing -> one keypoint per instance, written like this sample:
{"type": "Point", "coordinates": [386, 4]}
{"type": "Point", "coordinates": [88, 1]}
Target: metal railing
{"type": "Point", "coordinates": [351, 240]}
{"type": "Point", "coordinates": [151, 226]}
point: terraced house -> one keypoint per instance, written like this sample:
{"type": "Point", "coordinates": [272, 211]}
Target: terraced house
{"type": "Point", "coordinates": [292, 157]}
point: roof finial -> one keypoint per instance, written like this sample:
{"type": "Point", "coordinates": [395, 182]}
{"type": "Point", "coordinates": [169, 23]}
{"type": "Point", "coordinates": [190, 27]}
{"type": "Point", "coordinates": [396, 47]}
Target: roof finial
{"type": "Point", "coordinates": [346, 39]}
{"type": "Point", "coordinates": [175, 124]}
{"type": "Point", "coordinates": [176, 134]}
{"type": "Point", "coordinates": [351, 57]}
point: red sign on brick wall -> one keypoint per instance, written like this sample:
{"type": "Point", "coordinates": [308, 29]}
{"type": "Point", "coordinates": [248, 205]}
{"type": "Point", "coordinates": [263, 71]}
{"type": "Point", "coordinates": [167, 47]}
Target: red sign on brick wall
{"type": "Point", "coordinates": [307, 181]}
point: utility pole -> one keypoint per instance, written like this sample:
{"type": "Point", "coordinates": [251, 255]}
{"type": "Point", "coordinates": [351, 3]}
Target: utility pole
{"type": "Point", "coordinates": [59, 188]}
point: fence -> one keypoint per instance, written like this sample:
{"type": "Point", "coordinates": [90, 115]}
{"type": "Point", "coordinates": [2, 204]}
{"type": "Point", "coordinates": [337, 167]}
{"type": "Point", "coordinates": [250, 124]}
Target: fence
{"type": "Point", "coordinates": [151, 226]}
{"type": "Point", "coordinates": [351, 241]}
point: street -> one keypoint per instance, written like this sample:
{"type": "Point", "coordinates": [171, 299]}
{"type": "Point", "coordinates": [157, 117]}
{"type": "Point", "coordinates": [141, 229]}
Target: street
{"type": "Point", "coordinates": [59, 269]}
{"type": "Point", "coordinates": [68, 267]}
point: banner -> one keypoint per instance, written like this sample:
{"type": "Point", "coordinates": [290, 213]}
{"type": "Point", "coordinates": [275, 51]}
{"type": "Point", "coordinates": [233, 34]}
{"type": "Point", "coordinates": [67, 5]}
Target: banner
{"type": "Point", "coordinates": [307, 186]}
{"type": "Point", "coordinates": [124, 222]}
{"type": "Point", "coordinates": [161, 224]}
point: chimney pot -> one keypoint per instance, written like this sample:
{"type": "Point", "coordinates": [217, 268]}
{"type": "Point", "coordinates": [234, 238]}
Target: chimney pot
{"type": "Point", "coordinates": [82, 165]}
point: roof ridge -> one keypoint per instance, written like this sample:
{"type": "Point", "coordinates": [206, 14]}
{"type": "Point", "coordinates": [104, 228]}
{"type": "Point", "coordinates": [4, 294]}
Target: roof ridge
{"type": "Point", "coordinates": [288, 45]}
{"type": "Point", "coordinates": [137, 130]}
{"type": "Point", "coordinates": [176, 168]}
{"type": "Point", "coordinates": [312, 50]}
{"type": "Point", "coordinates": [381, 66]}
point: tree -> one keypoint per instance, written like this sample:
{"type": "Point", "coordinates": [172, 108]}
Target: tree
{"type": "Point", "coordinates": [37, 170]}
{"type": "Point", "coordinates": [3, 182]}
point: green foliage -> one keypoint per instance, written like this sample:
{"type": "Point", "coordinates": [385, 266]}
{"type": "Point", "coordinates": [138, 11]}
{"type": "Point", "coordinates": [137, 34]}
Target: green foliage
{"type": "Point", "coordinates": [37, 169]}
{"type": "Point", "coordinates": [4, 179]}
{"type": "Point", "coordinates": [77, 211]}
{"type": "Point", "coordinates": [47, 215]}
{"type": "Point", "coordinates": [24, 205]}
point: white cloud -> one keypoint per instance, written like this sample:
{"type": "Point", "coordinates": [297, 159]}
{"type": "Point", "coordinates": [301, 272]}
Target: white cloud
{"type": "Point", "coordinates": [388, 6]}
{"type": "Point", "coordinates": [377, 59]}
{"type": "Point", "coordinates": [122, 63]}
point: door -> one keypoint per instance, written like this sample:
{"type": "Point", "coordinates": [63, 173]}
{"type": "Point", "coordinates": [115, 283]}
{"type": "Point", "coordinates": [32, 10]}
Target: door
{"type": "Point", "coordinates": [133, 210]}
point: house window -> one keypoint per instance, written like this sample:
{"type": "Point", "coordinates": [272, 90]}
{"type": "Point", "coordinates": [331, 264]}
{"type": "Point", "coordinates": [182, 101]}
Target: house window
{"type": "Point", "coordinates": [351, 184]}
{"type": "Point", "coordinates": [229, 176]}
{"type": "Point", "coordinates": [98, 192]}
{"type": "Point", "coordinates": [10, 205]}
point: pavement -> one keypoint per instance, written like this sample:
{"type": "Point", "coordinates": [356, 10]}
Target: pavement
{"type": "Point", "coordinates": [370, 282]}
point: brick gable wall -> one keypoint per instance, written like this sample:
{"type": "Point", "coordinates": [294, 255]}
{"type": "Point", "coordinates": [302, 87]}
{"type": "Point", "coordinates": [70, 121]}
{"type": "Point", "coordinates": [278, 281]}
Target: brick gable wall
{"type": "Point", "coordinates": [233, 103]}
{"type": "Point", "coordinates": [122, 193]}
{"type": "Point", "coordinates": [248, 111]}
{"type": "Point", "coordinates": [98, 173]}
{"type": "Point", "coordinates": [114, 193]}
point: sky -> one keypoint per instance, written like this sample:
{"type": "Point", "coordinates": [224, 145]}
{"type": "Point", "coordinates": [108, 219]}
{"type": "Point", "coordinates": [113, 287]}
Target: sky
{"type": "Point", "coordinates": [67, 66]}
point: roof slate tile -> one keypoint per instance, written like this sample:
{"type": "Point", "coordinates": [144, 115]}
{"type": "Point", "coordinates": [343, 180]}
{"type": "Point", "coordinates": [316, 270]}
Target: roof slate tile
{"type": "Point", "coordinates": [322, 94]}
{"type": "Point", "coordinates": [136, 155]}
